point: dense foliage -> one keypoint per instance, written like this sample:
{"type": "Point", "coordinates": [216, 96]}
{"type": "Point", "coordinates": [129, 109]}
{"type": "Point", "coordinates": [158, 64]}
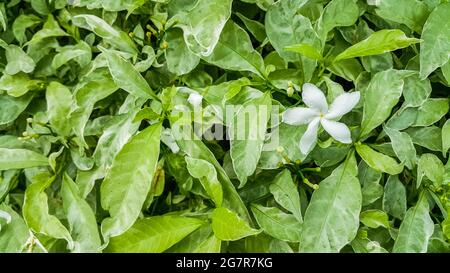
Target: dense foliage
{"type": "Point", "coordinates": [354, 94]}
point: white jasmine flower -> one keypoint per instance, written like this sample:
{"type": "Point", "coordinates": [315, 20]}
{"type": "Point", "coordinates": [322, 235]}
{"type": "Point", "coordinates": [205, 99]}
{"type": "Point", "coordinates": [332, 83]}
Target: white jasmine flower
{"type": "Point", "coordinates": [195, 99]}
{"type": "Point", "coordinates": [318, 113]}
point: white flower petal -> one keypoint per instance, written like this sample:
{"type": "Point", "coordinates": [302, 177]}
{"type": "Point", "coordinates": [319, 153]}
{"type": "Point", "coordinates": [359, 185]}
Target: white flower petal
{"type": "Point", "coordinates": [299, 115]}
{"type": "Point", "coordinates": [337, 130]}
{"type": "Point", "coordinates": [195, 99]}
{"type": "Point", "coordinates": [309, 138]}
{"type": "Point", "coordinates": [342, 105]}
{"type": "Point", "coordinates": [314, 97]}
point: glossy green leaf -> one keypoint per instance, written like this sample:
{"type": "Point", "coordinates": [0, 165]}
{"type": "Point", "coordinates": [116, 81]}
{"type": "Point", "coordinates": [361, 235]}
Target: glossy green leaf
{"type": "Point", "coordinates": [116, 38]}
{"type": "Point", "coordinates": [334, 206]}
{"type": "Point", "coordinates": [201, 240]}
{"type": "Point", "coordinates": [154, 234]}
{"type": "Point", "coordinates": [128, 182]}
{"type": "Point", "coordinates": [379, 161]}
{"type": "Point", "coordinates": [203, 23]}
{"type": "Point", "coordinates": [387, 84]}
{"type": "Point", "coordinates": [59, 106]}
{"type": "Point", "coordinates": [180, 60]}
{"type": "Point", "coordinates": [431, 111]}
{"type": "Point", "coordinates": [416, 229]}
{"type": "Point", "coordinates": [446, 137]}
{"type": "Point", "coordinates": [430, 166]}
{"type": "Point", "coordinates": [206, 173]}
{"type": "Point", "coordinates": [285, 27]}
{"type": "Point", "coordinates": [277, 223]}
{"type": "Point", "coordinates": [305, 50]}
{"type": "Point", "coordinates": [36, 212]}
{"type": "Point", "coordinates": [412, 13]}
{"type": "Point", "coordinates": [374, 218]}
{"type": "Point", "coordinates": [12, 107]}
{"type": "Point", "coordinates": [21, 159]}
{"type": "Point", "coordinates": [126, 76]}
{"type": "Point", "coordinates": [382, 41]}
{"type": "Point", "coordinates": [394, 197]}
{"type": "Point", "coordinates": [18, 61]}
{"type": "Point", "coordinates": [228, 226]}
{"type": "Point", "coordinates": [403, 147]}
{"type": "Point", "coordinates": [249, 136]}
{"type": "Point", "coordinates": [14, 235]}
{"type": "Point", "coordinates": [435, 46]}
{"type": "Point", "coordinates": [81, 218]}
{"type": "Point", "coordinates": [234, 51]}
{"type": "Point", "coordinates": [285, 193]}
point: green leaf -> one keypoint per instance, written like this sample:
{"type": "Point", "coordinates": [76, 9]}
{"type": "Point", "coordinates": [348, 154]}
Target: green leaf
{"type": "Point", "coordinates": [206, 173]}
{"type": "Point", "coordinates": [234, 51]}
{"type": "Point", "coordinates": [337, 13]}
{"type": "Point", "coordinates": [203, 23]}
{"type": "Point", "coordinates": [379, 42]}
{"type": "Point", "coordinates": [412, 13]}
{"type": "Point", "coordinates": [306, 50]}
{"type": "Point", "coordinates": [430, 166]}
{"type": "Point", "coordinates": [50, 29]}
{"type": "Point", "coordinates": [36, 212]}
{"type": "Point", "coordinates": [285, 193]}
{"type": "Point", "coordinates": [285, 26]}
{"type": "Point", "coordinates": [14, 235]}
{"type": "Point", "coordinates": [21, 159]}
{"type": "Point", "coordinates": [94, 89]}
{"type": "Point", "coordinates": [21, 24]}
{"type": "Point", "coordinates": [80, 53]}
{"type": "Point", "coordinates": [18, 61]}
{"type": "Point", "coordinates": [334, 206]}
{"type": "Point", "coordinates": [180, 60]}
{"type": "Point", "coordinates": [365, 245]}
{"type": "Point", "coordinates": [277, 223]}
{"type": "Point", "coordinates": [416, 91]}
{"type": "Point", "coordinates": [3, 18]}
{"type": "Point", "coordinates": [256, 28]}
{"type": "Point", "coordinates": [446, 137]}
{"type": "Point", "coordinates": [126, 76]}
{"type": "Point", "coordinates": [374, 218]}
{"type": "Point", "coordinates": [81, 218]}
{"type": "Point", "coordinates": [195, 148]}
{"type": "Point", "coordinates": [435, 46]}
{"type": "Point", "coordinates": [394, 198]}
{"type": "Point", "coordinates": [114, 37]}
{"type": "Point", "coordinates": [201, 240]}
{"type": "Point", "coordinates": [403, 147]}
{"type": "Point", "coordinates": [128, 182]}
{"type": "Point", "coordinates": [388, 85]}
{"type": "Point", "coordinates": [12, 107]}
{"type": "Point", "coordinates": [59, 105]}
{"type": "Point", "coordinates": [379, 161]}
{"type": "Point", "coordinates": [431, 111]}
{"type": "Point", "coordinates": [428, 137]}
{"type": "Point", "coordinates": [154, 234]}
{"type": "Point", "coordinates": [228, 226]}
{"type": "Point", "coordinates": [18, 85]}
{"type": "Point", "coordinates": [249, 135]}
{"type": "Point", "coordinates": [416, 229]}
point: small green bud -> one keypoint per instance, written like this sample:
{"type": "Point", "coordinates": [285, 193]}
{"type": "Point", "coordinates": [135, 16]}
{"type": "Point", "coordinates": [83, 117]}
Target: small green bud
{"type": "Point", "coordinates": [290, 89]}
{"type": "Point", "coordinates": [164, 45]}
